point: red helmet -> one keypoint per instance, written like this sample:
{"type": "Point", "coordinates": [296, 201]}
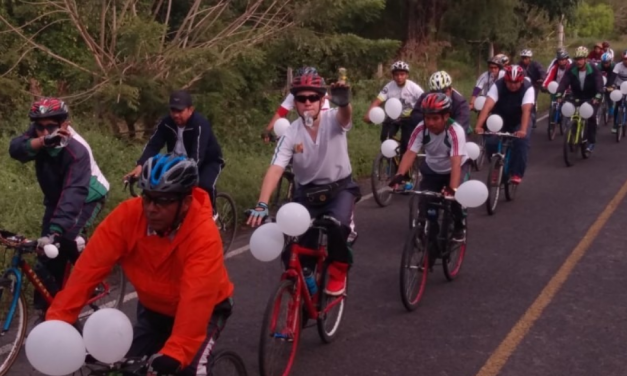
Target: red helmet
{"type": "Point", "coordinates": [514, 73]}
{"type": "Point", "coordinates": [48, 108]}
{"type": "Point", "coordinates": [308, 80]}
{"type": "Point", "coordinates": [436, 103]}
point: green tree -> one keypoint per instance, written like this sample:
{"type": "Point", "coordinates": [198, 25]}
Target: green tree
{"type": "Point", "coordinates": [594, 20]}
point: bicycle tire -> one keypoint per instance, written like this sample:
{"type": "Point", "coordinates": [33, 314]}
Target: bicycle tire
{"type": "Point", "coordinates": [552, 128]}
{"type": "Point", "coordinates": [116, 290]}
{"type": "Point", "coordinates": [329, 336]}
{"type": "Point", "coordinates": [415, 242]}
{"type": "Point", "coordinates": [228, 234]}
{"type": "Point", "coordinates": [414, 209]}
{"type": "Point", "coordinates": [583, 146]}
{"type": "Point", "coordinates": [619, 133]}
{"type": "Point", "coordinates": [223, 357]}
{"type": "Point", "coordinates": [478, 163]}
{"type": "Point", "coordinates": [494, 184]}
{"type": "Point", "coordinates": [21, 318]}
{"type": "Point", "coordinates": [567, 149]}
{"type": "Point", "coordinates": [267, 333]}
{"type": "Point", "coordinates": [383, 197]}
{"type": "Point", "coordinates": [451, 273]}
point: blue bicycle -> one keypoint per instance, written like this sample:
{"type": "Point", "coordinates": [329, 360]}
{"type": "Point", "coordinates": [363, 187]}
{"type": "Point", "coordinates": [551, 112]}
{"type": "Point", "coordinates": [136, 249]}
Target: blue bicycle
{"type": "Point", "coordinates": [620, 121]}
{"type": "Point", "coordinates": [499, 172]}
{"type": "Point", "coordinates": [555, 120]}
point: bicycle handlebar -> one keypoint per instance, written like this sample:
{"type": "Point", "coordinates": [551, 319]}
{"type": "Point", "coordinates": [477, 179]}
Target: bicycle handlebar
{"type": "Point", "coordinates": [23, 245]}
{"type": "Point", "coordinates": [430, 193]}
{"type": "Point", "coordinates": [501, 134]}
{"type": "Point", "coordinates": [325, 221]}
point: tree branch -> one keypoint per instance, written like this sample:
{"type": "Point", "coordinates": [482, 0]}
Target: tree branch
{"type": "Point", "coordinates": [165, 26]}
{"type": "Point", "coordinates": [19, 60]}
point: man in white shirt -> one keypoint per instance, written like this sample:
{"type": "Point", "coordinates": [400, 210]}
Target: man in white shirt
{"type": "Point", "coordinates": [444, 142]}
{"type": "Point", "coordinates": [512, 97]}
{"type": "Point", "coordinates": [487, 78]}
{"type": "Point", "coordinates": [317, 145]}
{"type": "Point", "coordinates": [405, 90]}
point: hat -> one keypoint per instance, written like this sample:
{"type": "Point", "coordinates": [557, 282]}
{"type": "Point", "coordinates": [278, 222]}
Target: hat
{"type": "Point", "coordinates": [180, 100]}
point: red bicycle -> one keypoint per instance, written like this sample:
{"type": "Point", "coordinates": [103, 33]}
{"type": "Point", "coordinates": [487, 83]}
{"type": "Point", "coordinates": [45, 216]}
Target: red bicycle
{"type": "Point", "coordinates": [292, 305]}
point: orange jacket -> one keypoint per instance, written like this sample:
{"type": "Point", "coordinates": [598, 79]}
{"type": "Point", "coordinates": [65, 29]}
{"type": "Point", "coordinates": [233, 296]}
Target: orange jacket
{"type": "Point", "coordinates": [183, 278]}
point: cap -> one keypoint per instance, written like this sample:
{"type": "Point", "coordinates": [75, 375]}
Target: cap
{"type": "Point", "coordinates": [180, 100]}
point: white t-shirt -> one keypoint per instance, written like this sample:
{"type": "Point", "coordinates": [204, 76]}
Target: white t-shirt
{"type": "Point", "coordinates": [408, 94]}
{"type": "Point", "coordinates": [322, 161]}
{"type": "Point", "coordinates": [485, 81]}
{"type": "Point", "coordinates": [288, 103]}
{"type": "Point", "coordinates": [621, 73]}
{"type": "Point", "coordinates": [179, 147]}
{"type": "Point", "coordinates": [528, 98]}
{"type": "Point", "coordinates": [441, 147]}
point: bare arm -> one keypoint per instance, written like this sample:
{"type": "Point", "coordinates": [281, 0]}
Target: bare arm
{"type": "Point", "coordinates": [487, 107]}
{"type": "Point", "coordinates": [456, 172]}
{"type": "Point", "coordinates": [526, 115]}
{"type": "Point", "coordinates": [375, 103]}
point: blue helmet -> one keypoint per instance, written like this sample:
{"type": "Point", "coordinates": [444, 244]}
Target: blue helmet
{"type": "Point", "coordinates": [169, 173]}
{"type": "Point", "coordinates": [606, 58]}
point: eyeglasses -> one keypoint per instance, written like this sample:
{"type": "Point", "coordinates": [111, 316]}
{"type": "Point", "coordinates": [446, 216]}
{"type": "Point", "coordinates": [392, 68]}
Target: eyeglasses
{"type": "Point", "coordinates": [51, 127]}
{"type": "Point", "coordinates": [160, 201]}
{"type": "Point", "coordinates": [304, 98]}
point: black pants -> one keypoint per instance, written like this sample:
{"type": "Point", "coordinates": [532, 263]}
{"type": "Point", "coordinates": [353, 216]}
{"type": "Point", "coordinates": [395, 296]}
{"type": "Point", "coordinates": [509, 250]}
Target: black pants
{"type": "Point", "coordinates": [592, 125]}
{"type": "Point", "coordinates": [52, 271]}
{"type": "Point", "coordinates": [207, 179]}
{"type": "Point", "coordinates": [152, 330]}
{"type": "Point", "coordinates": [390, 128]}
{"type": "Point", "coordinates": [432, 181]}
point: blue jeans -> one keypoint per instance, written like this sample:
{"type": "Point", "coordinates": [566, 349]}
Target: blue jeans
{"type": "Point", "coordinates": [520, 151]}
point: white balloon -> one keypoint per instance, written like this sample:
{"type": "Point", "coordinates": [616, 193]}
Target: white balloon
{"type": "Point", "coordinates": [55, 348]}
{"type": "Point", "coordinates": [586, 110]}
{"type": "Point", "coordinates": [280, 126]}
{"type": "Point", "coordinates": [267, 242]}
{"type": "Point", "coordinates": [479, 102]}
{"type": "Point", "coordinates": [472, 194]}
{"type": "Point", "coordinates": [473, 150]}
{"type": "Point", "coordinates": [51, 251]}
{"type": "Point", "coordinates": [293, 219]}
{"type": "Point", "coordinates": [376, 115]}
{"type": "Point", "coordinates": [394, 108]}
{"type": "Point", "coordinates": [553, 87]}
{"type": "Point", "coordinates": [616, 95]}
{"type": "Point", "coordinates": [568, 109]}
{"type": "Point", "coordinates": [495, 123]}
{"type": "Point", "coordinates": [623, 88]}
{"type": "Point", "coordinates": [108, 335]}
{"type": "Point", "coordinates": [388, 148]}
{"type": "Point", "coordinates": [604, 80]}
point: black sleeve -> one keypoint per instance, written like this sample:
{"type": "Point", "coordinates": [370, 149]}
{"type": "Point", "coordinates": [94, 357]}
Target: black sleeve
{"type": "Point", "coordinates": [416, 114]}
{"type": "Point", "coordinates": [541, 71]}
{"type": "Point", "coordinates": [611, 78]}
{"type": "Point", "coordinates": [155, 144]}
{"type": "Point", "coordinates": [598, 82]}
{"type": "Point", "coordinates": [462, 111]}
{"type": "Point", "coordinates": [207, 147]}
{"type": "Point", "coordinates": [19, 148]}
{"type": "Point", "coordinates": [564, 83]}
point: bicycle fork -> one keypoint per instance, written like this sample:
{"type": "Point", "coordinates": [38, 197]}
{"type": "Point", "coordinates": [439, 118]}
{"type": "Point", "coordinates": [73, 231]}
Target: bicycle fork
{"type": "Point", "coordinates": [15, 287]}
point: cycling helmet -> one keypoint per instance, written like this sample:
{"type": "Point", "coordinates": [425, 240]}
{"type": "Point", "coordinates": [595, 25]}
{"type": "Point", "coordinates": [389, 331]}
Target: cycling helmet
{"type": "Point", "coordinates": [48, 108]}
{"type": "Point", "coordinates": [514, 73]}
{"type": "Point", "coordinates": [308, 79]}
{"type": "Point", "coordinates": [496, 60]}
{"type": "Point", "coordinates": [169, 173]}
{"type": "Point", "coordinates": [399, 66]}
{"type": "Point", "coordinates": [599, 44]}
{"type": "Point", "coordinates": [436, 103]}
{"type": "Point", "coordinates": [606, 58]}
{"type": "Point", "coordinates": [440, 81]}
{"type": "Point", "coordinates": [526, 53]}
{"type": "Point", "coordinates": [504, 59]}
{"type": "Point", "coordinates": [561, 55]}
{"type": "Point", "coordinates": [581, 52]}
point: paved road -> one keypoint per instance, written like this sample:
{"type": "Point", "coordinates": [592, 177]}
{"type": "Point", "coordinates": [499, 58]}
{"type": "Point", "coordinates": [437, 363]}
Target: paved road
{"type": "Point", "coordinates": [541, 292]}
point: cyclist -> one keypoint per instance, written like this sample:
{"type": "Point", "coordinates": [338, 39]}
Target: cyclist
{"type": "Point", "coordinates": [74, 188]}
{"type": "Point", "coordinates": [186, 132]}
{"type": "Point", "coordinates": [558, 66]}
{"type": "Point", "coordinates": [444, 142]}
{"type": "Point", "coordinates": [586, 83]}
{"type": "Point", "coordinates": [620, 76]}
{"type": "Point", "coordinates": [511, 97]}
{"type": "Point", "coordinates": [606, 67]}
{"type": "Point", "coordinates": [170, 250]}
{"type": "Point", "coordinates": [487, 78]}
{"type": "Point", "coordinates": [536, 73]}
{"type": "Point", "coordinates": [441, 82]}
{"type": "Point", "coordinates": [595, 55]}
{"type": "Point", "coordinates": [405, 90]}
{"type": "Point", "coordinates": [319, 153]}
{"type": "Point", "coordinates": [608, 50]}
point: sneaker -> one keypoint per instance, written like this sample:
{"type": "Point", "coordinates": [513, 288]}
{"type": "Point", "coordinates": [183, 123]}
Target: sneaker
{"type": "Point", "coordinates": [351, 238]}
{"type": "Point", "coordinates": [337, 278]}
{"type": "Point", "coordinates": [614, 130]}
{"type": "Point", "coordinates": [515, 179]}
{"type": "Point", "coordinates": [459, 234]}
{"type": "Point", "coordinates": [590, 148]}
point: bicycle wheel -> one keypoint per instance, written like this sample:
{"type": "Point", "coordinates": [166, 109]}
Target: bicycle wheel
{"type": "Point", "coordinates": [108, 294]}
{"type": "Point", "coordinates": [331, 311]}
{"type": "Point", "coordinates": [478, 163]}
{"type": "Point", "coordinates": [568, 146]}
{"type": "Point", "coordinates": [495, 178]}
{"type": "Point", "coordinates": [414, 208]}
{"type": "Point", "coordinates": [583, 146]}
{"type": "Point", "coordinates": [227, 219]}
{"type": "Point", "coordinates": [552, 128]}
{"type": "Point", "coordinates": [414, 268]}
{"type": "Point", "coordinates": [279, 338]}
{"type": "Point", "coordinates": [453, 259]}
{"type": "Point", "coordinates": [619, 133]}
{"type": "Point", "coordinates": [415, 174]}
{"type": "Point", "coordinates": [383, 169]}
{"type": "Point", "coordinates": [510, 188]}
{"type": "Point", "coordinates": [602, 114]}
{"type": "Point", "coordinates": [227, 363]}
{"type": "Point", "coordinates": [12, 339]}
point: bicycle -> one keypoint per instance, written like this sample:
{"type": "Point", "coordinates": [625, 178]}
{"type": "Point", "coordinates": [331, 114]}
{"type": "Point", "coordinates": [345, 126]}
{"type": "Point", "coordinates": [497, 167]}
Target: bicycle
{"type": "Point", "coordinates": [301, 305]}
{"type": "Point", "coordinates": [621, 118]}
{"type": "Point", "coordinates": [555, 119]}
{"type": "Point", "coordinates": [384, 169]}
{"type": "Point", "coordinates": [15, 311]}
{"type": "Point", "coordinates": [499, 174]}
{"type": "Point", "coordinates": [429, 242]}
{"type": "Point", "coordinates": [278, 200]}
{"type": "Point", "coordinates": [221, 362]}
{"type": "Point", "coordinates": [575, 138]}
{"type": "Point", "coordinates": [603, 113]}
{"type": "Point", "coordinates": [225, 217]}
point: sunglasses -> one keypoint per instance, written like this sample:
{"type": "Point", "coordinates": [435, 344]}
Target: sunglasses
{"type": "Point", "coordinates": [304, 98]}
{"type": "Point", "coordinates": [160, 201]}
{"type": "Point", "coordinates": [51, 127]}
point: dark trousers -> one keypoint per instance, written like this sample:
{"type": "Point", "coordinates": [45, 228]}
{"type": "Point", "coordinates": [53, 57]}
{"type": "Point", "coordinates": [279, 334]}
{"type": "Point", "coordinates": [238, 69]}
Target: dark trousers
{"type": "Point", "coordinates": [432, 181]}
{"type": "Point", "coordinates": [207, 179]}
{"type": "Point", "coordinates": [390, 128]}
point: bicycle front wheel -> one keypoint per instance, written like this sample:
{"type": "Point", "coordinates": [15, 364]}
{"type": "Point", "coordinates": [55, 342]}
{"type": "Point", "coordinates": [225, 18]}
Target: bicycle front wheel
{"type": "Point", "coordinates": [108, 294]}
{"type": "Point", "coordinates": [383, 169]}
{"type": "Point", "coordinates": [495, 177]}
{"type": "Point", "coordinates": [331, 311]}
{"type": "Point", "coordinates": [552, 128]}
{"type": "Point", "coordinates": [568, 145]}
{"type": "Point", "coordinates": [414, 268]}
{"type": "Point", "coordinates": [227, 362]}
{"type": "Point", "coordinates": [227, 219]}
{"type": "Point", "coordinates": [13, 335]}
{"type": "Point", "coordinates": [452, 261]}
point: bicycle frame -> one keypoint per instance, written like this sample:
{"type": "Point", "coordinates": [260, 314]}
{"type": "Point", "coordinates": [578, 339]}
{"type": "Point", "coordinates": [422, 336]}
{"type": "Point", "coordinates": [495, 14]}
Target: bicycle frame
{"type": "Point", "coordinates": [578, 120]}
{"type": "Point", "coordinates": [557, 111]}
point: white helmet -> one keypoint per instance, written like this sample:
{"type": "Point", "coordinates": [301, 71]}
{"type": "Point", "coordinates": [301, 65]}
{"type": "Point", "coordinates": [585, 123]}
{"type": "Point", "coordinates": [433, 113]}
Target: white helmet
{"type": "Point", "coordinates": [526, 53]}
{"type": "Point", "coordinates": [440, 81]}
{"type": "Point", "coordinates": [399, 66]}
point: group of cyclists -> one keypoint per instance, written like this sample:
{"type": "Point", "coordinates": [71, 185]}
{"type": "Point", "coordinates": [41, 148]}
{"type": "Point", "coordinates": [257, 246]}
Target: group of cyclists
{"type": "Point", "coordinates": [167, 242]}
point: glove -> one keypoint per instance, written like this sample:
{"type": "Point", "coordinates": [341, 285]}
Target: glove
{"type": "Point", "coordinates": [163, 365]}
{"type": "Point", "coordinates": [340, 95]}
{"type": "Point", "coordinates": [265, 135]}
{"type": "Point", "coordinates": [45, 240]}
{"type": "Point", "coordinates": [398, 179]}
{"type": "Point", "coordinates": [53, 140]}
{"type": "Point", "coordinates": [260, 211]}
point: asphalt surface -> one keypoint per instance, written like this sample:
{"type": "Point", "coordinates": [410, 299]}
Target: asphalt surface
{"type": "Point", "coordinates": [575, 326]}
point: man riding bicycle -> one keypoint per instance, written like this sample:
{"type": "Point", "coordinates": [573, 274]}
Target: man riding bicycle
{"type": "Point", "coordinates": [536, 73]}
{"type": "Point", "coordinates": [512, 97]}
{"type": "Point", "coordinates": [170, 250]}
{"type": "Point", "coordinates": [606, 67]}
{"type": "Point", "coordinates": [487, 78]}
{"type": "Point", "coordinates": [445, 166]}
{"type": "Point", "coordinates": [186, 132]}
{"type": "Point", "coordinates": [441, 82]}
{"type": "Point", "coordinates": [557, 68]}
{"type": "Point", "coordinates": [586, 84]}
{"type": "Point", "coordinates": [74, 188]}
{"type": "Point", "coordinates": [608, 50]}
{"type": "Point", "coordinates": [319, 153]}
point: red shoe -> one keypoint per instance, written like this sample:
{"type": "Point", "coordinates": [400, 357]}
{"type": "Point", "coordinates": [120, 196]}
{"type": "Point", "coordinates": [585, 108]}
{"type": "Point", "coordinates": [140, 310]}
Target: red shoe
{"type": "Point", "coordinates": [337, 278]}
{"type": "Point", "coordinates": [515, 179]}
